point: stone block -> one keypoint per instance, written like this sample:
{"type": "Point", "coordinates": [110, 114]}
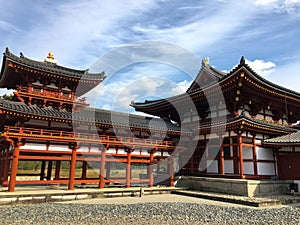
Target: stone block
{"type": "Point", "coordinates": [25, 198]}
{"type": "Point", "coordinates": [83, 196]}
{"type": "Point", "coordinates": [56, 197]}
{"type": "Point", "coordinates": [266, 188]}
{"type": "Point", "coordinates": [8, 200]}
{"type": "Point", "coordinates": [239, 189]}
{"type": "Point", "coordinates": [69, 197]}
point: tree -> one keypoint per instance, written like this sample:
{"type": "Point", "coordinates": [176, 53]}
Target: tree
{"type": "Point", "coordinates": [7, 97]}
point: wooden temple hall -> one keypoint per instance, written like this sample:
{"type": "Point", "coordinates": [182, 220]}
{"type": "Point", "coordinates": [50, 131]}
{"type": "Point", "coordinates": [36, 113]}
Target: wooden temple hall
{"type": "Point", "coordinates": [247, 133]}
{"type": "Point", "coordinates": [47, 123]}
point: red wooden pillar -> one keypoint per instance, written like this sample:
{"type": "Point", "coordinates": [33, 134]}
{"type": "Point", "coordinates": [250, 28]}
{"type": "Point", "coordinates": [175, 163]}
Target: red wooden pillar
{"type": "Point", "coordinates": [49, 170]}
{"type": "Point", "coordinates": [14, 168]}
{"type": "Point", "coordinates": [254, 157]}
{"type": "Point", "coordinates": [128, 168]}
{"type": "Point", "coordinates": [57, 170]}
{"type": "Point", "coordinates": [241, 161]}
{"type": "Point", "coordinates": [72, 168]}
{"type": "Point", "coordinates": [171, 170]}
{"type": "Point", "coordinates": [151, 178]}
{"type": "Point", "coordinates": [102, 168]}
{"type": "Point", "coordinates": [221, 159]}
{"type": "Point", "coordinates": [221, 162]}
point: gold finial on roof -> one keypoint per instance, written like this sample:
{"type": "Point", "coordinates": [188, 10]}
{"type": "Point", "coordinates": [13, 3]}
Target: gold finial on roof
{"type": "Point", "coordinates": [205, 61]}
{"type": "Point", "coordinates": [50, 55]}
{"type": "Point", "coordinates": [50, 58]}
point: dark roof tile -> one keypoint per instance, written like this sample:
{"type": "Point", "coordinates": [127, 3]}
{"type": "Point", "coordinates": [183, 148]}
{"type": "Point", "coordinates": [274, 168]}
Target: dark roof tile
{"type": "Point", "coordinates": [92, 116]}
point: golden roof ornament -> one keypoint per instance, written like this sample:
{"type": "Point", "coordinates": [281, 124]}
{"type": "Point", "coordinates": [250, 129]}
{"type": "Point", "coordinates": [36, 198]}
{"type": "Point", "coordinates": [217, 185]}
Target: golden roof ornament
{"type": "Point", "coordinates": [205, 61]}
{"type": "Point", "coordinates": [50, 58]}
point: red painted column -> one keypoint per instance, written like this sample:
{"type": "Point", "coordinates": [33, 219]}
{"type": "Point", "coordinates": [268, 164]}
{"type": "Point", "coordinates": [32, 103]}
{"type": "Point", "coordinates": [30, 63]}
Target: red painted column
{"type": "Point", "coordinates": [128, 168]}
{"type": "Point", "coordinates": [57, 170]}
{"type": "Point", "coordinates": [151, 178]}
{"type": "Point", "coordinates": [221, 159]}
{"type": "Point", "coordinates": [254, 157]}
{"type": "Point", "coordinates": [14, 168]}
{"type": "Point", "coordinates": [72, 168]}
{"type": "Point", "coordinates": [222, 170]}
{"type": "Point", "coordinates": [241, 156]}
{"type": "Point", "coordinates": [102, 168]}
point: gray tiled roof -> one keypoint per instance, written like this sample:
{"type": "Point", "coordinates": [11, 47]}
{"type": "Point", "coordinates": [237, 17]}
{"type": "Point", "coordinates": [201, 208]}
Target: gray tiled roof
{"type": "Point", "coordinates": [293, 138]}
{"type": "Point", "coordinates": [53, 68]}
{"type": "Point", "coordinates": [91, 115]}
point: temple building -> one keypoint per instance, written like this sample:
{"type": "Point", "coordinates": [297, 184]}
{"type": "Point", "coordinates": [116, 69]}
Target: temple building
{"type": "Point", "coordinates": [227, 125]}
{"type": "Point", "coordinates": [241, 123]}
{"type": "Point", "coordinates": [48, 121]}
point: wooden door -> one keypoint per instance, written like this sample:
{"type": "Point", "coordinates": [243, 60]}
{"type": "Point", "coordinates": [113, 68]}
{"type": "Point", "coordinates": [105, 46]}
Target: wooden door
{"type": "Point", "coordinates": [289, 166]}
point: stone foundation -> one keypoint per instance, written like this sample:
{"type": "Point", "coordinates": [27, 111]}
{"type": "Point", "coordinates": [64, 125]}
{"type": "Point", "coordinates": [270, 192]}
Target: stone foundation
{"type": "Point", "coordinates": [241, 187]}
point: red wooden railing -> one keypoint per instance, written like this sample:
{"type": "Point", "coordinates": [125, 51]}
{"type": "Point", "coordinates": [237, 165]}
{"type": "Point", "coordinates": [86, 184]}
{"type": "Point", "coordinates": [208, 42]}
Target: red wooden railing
{"type": "Point", "coordinates": [65, 136]}
{"type": "Point", "coordinates": [49, 94]}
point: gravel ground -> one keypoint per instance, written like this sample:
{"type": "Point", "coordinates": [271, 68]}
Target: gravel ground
{"type": "Point", "coordinates": [156, 209]}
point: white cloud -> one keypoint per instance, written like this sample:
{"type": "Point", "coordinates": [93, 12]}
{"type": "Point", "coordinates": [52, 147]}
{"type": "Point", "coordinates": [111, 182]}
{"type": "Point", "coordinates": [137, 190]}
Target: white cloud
{"type": "Point", "coordinates": [203, 32]}
{"type": "Point", "coordinates": [117, 96]}
{"type": "Point", "coordinates": [287, 75]}
{"type": "Point", "coordinates": [261, 67]}
{"type": "Point", "coordinates": [138, 83]}
{"type": "Point", "coordinates": [71, 28]}
{"type": "Point", "coordinates": [265, 2]}
{"type": "Point", "coordinates": [181, 87]}
{"type": "Point", "coordinates": [4, 91]}
{"type": "Point", "coordinates": [289, 6]}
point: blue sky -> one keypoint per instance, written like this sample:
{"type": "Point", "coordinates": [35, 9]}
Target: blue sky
{"type": "Point", "coordinates": [80, 32]}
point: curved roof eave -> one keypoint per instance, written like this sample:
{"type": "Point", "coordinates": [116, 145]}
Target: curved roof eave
{"type": "Point", "coordinates": [238, 68]}
{"type": "Point", "coordinates": [50, 67]}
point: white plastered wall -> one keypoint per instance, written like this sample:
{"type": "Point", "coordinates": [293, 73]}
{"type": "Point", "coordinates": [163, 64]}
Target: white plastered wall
{"type": "Point", "coordinates": [265, 168]}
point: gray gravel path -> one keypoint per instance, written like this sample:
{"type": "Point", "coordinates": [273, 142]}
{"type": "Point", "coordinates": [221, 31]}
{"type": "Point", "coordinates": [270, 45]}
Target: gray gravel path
{"type": "Point", "coordinates": [162, 209]}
